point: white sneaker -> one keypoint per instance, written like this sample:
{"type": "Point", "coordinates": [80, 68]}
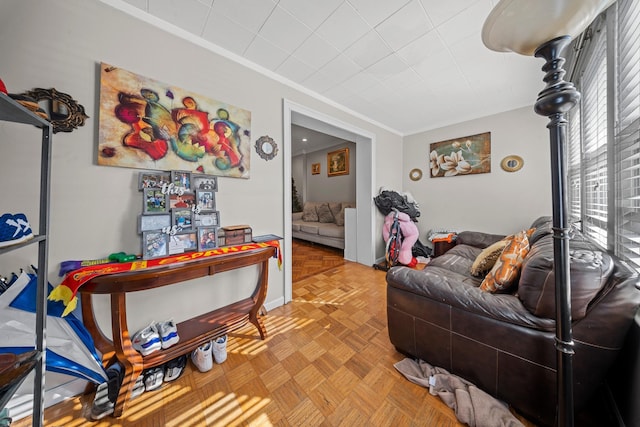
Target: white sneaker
{"type": "Point", "coordinates": [138, 387]}
{"type": "Point", "coordinates": [220, 349]}
{"type": "Point", "coordinates": [202, 357]}
{"type": "Point", "coordinates": [153, 378]}
{"type": "Point", "coordinates": [147, 340]}
{"type": "Point", "coordinates": [168, 333]}
{"type": "Point", "coordinates": [101, 406]}
{"type": "Point", "coordinates": [174, 368]}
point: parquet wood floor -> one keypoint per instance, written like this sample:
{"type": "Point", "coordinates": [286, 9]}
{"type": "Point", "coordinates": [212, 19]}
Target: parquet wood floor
{"type": "Point", "coordinates": [310, 258]}
{"type": "Point", "coordinates": [327, 361]}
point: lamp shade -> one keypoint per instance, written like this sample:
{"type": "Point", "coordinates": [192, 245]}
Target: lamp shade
{"type": "Point", "coordinates": [521, 26]}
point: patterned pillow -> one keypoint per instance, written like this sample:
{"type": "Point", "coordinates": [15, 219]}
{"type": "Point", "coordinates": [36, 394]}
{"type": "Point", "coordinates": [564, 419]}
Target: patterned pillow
{"type": "Point", "coordinates": [506, 270]}
{"type": "Point", "coordinates": [340, 217]}
{"type": "Point", "coordinates": [488, 257]}
{"type": "Point", "coordinates": [309, 213]}
{"type": "Point", "coordinates": [335, 207]}
{"type": "Point", "coordinates": [324, 213]}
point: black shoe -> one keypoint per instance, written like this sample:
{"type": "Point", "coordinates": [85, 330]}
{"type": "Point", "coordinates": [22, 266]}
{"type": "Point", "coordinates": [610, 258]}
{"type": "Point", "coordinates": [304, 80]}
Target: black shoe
{"type": "Point", "coordinates": [115, 373]}
{"type": "Point", "coordinates": [174, 368]}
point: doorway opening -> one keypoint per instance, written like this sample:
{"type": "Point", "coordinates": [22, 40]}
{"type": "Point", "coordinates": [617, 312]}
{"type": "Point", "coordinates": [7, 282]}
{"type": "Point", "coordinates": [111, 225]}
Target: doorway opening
{"type": "Point", "coordinates": [295, 114]}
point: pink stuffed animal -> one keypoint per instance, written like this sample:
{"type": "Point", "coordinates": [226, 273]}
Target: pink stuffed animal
{"type": "Point", "coordinates": [410, 234]}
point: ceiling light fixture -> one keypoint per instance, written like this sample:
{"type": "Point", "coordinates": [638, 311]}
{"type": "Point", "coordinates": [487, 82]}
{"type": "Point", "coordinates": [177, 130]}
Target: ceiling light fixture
{"type": "Point", "coordinates": [543, 28]}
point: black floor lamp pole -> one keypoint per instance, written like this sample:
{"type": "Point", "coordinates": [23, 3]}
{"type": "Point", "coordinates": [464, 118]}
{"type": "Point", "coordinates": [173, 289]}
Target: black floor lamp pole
{"type": "Point", "coordinates": [554, 101]}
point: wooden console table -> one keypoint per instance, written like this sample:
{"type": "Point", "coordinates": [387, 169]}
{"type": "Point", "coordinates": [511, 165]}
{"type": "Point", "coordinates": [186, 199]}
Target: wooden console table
{"type": "Point", "coordinates": [193, 332]}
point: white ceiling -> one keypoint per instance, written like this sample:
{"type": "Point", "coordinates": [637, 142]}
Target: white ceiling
{"type": "Point", "coordinates": [408, 65]}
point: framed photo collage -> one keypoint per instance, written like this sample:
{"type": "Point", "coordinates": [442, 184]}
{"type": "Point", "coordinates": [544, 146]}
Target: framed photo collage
{"type": "Point", "coordinates": [178, 212]}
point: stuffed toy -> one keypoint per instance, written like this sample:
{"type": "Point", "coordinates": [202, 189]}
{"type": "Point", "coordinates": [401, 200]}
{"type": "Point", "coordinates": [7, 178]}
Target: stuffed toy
{"type": "Point", "coordinates": [410, 235]}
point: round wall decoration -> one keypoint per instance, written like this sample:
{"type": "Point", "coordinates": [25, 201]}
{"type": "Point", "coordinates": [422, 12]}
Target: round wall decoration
{"type": "Point", "coordinates": [512, 163]}
{"type": "Point", "coordinates": [266, 147]}
{"type": "Point", "coordinates": [415, 174]}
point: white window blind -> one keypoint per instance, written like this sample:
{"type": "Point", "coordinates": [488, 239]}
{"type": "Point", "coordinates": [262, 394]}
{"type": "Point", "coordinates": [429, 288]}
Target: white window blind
{"type": "Point", "coordinates": [627, 139]}
{"type": "Point", "coordinates": [574, 153]}
{"type": "Point", "coordinates": [593, 85]}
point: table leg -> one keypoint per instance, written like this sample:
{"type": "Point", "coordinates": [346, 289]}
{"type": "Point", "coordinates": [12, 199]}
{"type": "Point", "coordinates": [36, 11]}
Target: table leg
{"type": "Point", "coordinates": [129, 358]}
{"type": "Point", "coordinates": [259, 295]}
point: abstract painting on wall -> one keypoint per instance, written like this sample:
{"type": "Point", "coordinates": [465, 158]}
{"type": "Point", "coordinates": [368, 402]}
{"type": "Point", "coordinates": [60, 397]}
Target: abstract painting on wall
{"type": "Point", "coordinates": [147, 124]}
{"type": "Point", "coordinates": [461, 156]}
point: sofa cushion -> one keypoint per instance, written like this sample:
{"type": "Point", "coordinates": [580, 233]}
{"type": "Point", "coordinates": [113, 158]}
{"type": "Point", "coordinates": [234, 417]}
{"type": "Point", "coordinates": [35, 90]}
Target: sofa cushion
{"type": "Point", "coordinates": [589, 270]}
{"type": "Point", "coordinates": [331, 230]}
{"type": "Point", "coordinates": [309, 212]}
{"type": "Point", "coordinates": [295, 226]}
{"type": "Point", "coordinates": [324, 214]}
{"type": "Point", "coordinates": [506, 270]}
{"type": "Point", "coordinates": [309, 228]}
{"type": "Point", "coordinates": [488, 257]}
{"type": "Point", "coordinates": [458, 260]}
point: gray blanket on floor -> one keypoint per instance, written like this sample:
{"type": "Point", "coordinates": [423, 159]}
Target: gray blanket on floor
{"type": "Point", "coordinates": [472, 406]}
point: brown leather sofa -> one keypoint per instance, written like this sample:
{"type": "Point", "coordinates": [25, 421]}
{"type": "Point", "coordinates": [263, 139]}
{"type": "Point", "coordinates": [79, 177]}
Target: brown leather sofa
{"type": "Point", "coordinates": [504, 343]}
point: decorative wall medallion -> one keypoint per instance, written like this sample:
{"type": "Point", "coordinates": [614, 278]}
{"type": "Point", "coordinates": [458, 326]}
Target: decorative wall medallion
{"type": "Point", "coordinates": [266, 147]}
{"type": "Point", "coordinates": [415, 174]}
{"type": "Point", "coordinates": [65, 114]}
{"type": "Point", "coordinates": [512, 163]}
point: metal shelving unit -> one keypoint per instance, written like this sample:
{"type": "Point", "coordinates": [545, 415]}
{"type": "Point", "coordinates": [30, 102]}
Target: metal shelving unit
{"type": "Point", "coordinates": [11, 111]}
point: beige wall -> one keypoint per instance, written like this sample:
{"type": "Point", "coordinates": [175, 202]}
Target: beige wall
{"type": "Point", "coordinates": [321, 187]}
{"type": "Point", "coordinates": [497, 202]}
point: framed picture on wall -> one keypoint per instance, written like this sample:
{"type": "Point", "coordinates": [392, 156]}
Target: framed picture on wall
{"type": "Point", "coordinates": [155, 244]}
{"type": "Point", "coordinates": [207, 238]}
{"type": "Point", "coordinates": [467, 155]}
{"type": "Point", "coordinates": [315, 169]}
{"type": "Point", "coordinates": [183, 242]}
{"type": "Point", "coordinates": [155, 201]}
{"type": "Point", "coordinates": [204, 182]}
{"type": "Point", "coordinates": [338, 162]}
{"type": "Point", "coordinates": [153, 222]}
{"type": "Point", "coordinates": [181, 179]}
{"type": "Point", "coordinates": [182, 218]}
{"type": "Point", "coordinates": [207, 219]}
{"type": "Point", "coordinates": [153, 179]}
{"type": "Point", "coordinates": [206, 200]}
{"type": "Point", "coordinates": [182, 201]}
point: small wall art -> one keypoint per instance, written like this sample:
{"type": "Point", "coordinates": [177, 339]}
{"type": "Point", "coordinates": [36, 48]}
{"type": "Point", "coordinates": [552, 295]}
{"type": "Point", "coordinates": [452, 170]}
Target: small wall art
{"type": "Point", "coordinates": [338, 162]}
{"type": "Point", "coordinates": [512, 163]}
{"type": "Point", "coordinates": [315, 169]}
{"type": "Point", "coordinates": [461, 156]}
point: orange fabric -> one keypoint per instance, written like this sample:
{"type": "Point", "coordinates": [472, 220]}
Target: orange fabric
{"type": "Point", "coordinates": [506, 270]}
{"type": "Point", "coordinates": [488, 257]}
